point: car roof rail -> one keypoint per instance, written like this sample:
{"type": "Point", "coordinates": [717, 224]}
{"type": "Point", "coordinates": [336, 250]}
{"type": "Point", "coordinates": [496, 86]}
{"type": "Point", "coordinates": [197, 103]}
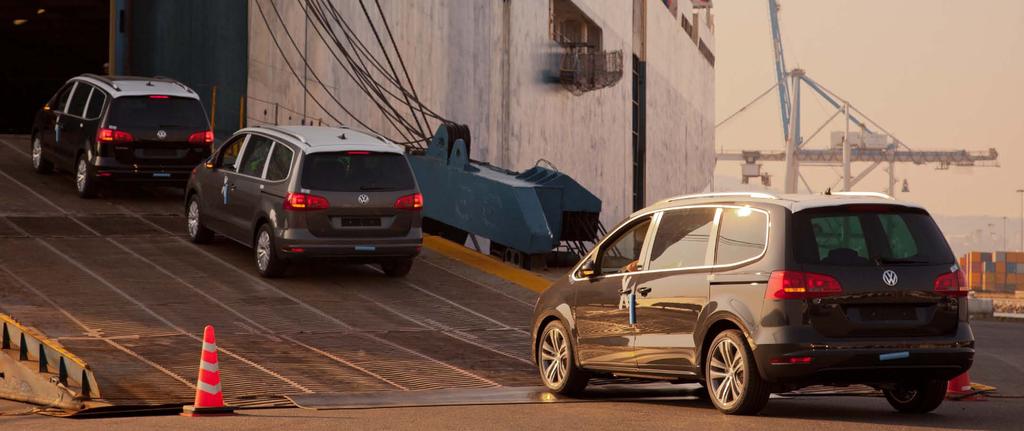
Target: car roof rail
{"type": "Point", "coordinates": [103, 79]}
{"type": "Point", "coordinates": [757, 195]}
{"type": "Point", "coordinates": [864, 194]}
{"type": "Point", "coordinates": [173, 81]}
{"type": "Point", "coordinates": [297, 137]}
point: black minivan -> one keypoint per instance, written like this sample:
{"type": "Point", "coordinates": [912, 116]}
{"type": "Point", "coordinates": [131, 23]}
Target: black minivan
{"type": "Point", "coordinates": [751, 294]}
{"type": "Point", "coordinates": [119, 128]}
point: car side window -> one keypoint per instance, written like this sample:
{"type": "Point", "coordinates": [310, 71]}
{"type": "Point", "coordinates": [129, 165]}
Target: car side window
{"type": "Point", "coordinates": [95, 106]}
{"type": "Point", "coordinates": [622, 253]}
{"type": "Point", "coordinates": [255, 158]}
{"type": "Point", "coordinates": [78, 99]}
{"type": "Point", "coordinates": [60, 101]}
{"type": "Point", "coordinates": [280, 162]}
{"type": "Point", "coordinates": [742, 236]}
{"type": "Point", "coordinates": [229, 154]}
{"type": "Point", "coordinates": [682, 238]}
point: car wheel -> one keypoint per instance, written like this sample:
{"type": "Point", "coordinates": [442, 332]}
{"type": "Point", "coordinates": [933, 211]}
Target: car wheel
{"type": "Point", "coordinates": [556, 361]}
{"type": "Point", "coordinates": [397, 267]}
{"type": "Point", "coordinates": [197, 232]}
{"type": "Point", "coordinates": [85, 182]}
{"type": "Point", "coordinates": [919, 397]}
{"type": "Point", "coordinates": [734, 384]}
{"type": "Point", "coordinates": [268, 263]}
{"type": "Point", "coordinates": [39, 163]}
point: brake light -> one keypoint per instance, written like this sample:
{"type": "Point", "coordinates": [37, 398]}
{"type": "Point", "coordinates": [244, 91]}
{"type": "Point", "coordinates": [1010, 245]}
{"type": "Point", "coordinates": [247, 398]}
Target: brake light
{"type": "Point", "coordinates": [159, 96]}
{"type": "Point", "coordinates": [357, 153]}
{"type": "Point", "coordinates": [305, 202]}
{"type": "Point", "coordinates": [952, 284]}
{"type": "Point", "coordinates": [204, 137]}
{"type": "Point", "coordinates": [410, 202]}
{"type": "Point", "coordinates": [801, 285]}
{"type": "Point", "coordinates": [111, 135]}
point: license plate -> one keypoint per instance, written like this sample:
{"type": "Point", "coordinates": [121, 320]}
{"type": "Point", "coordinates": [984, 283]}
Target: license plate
{"type": "Point", "coordinates": [895, 355]}
{"type": "Point", "coordinates": [365, 248]}
{"type": "Point", "coordinates": [161, 175]}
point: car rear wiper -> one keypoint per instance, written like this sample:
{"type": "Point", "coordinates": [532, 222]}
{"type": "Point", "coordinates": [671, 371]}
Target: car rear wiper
{"type": "Point", "coordinates": [887, 261]}
{"type": "Point", "coordinates": [376, 188]}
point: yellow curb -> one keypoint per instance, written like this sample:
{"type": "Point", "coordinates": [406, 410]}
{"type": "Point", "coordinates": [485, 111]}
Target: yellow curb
{"type": "Point", "coordinates": [487, 264]}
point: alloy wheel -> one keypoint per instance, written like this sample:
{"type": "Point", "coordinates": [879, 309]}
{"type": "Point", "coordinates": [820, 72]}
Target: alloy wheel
{"type": "Point", "coordinates": [554, 357]}
{"type": "Point", "coordinates": [193, 219]}
{"type": "Point", "coordinates": [81, 173]}
{"type": "Point", "coordinates": [263, 250]}
{"type": "Point", "coordinates": [726, 373]}
{"type": "Point", "coordinates": [37, 153]}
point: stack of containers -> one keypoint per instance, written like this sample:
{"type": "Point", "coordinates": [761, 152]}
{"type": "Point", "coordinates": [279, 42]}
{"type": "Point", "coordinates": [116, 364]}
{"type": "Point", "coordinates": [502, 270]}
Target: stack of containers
{"type": "Point", "coordinates": [996, 272]}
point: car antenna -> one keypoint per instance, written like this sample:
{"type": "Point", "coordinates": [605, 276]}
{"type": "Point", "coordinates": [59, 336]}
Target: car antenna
{"type": "Point", "coordinates": [828, 191]}
{"type": "Point", "coordinates": [342, 136]}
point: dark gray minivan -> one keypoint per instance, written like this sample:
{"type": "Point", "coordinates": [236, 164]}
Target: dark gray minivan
{"type": "Point", "coordinates": [294, 192]}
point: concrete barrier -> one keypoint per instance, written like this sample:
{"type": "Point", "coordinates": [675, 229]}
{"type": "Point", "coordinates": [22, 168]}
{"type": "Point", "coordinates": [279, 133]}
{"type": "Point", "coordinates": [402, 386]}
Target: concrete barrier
{"type": "Point", "coordinates": [980, 307]}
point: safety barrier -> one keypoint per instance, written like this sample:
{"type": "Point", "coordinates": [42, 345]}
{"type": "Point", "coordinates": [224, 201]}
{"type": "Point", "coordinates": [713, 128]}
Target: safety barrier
{"type": "Point", "coordinates": [38, 370]}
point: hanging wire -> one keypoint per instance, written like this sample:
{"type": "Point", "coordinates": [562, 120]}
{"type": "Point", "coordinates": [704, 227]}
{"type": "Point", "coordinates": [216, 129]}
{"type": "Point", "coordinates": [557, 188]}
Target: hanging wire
{"type": "Point", "coordinates": [744, 108]}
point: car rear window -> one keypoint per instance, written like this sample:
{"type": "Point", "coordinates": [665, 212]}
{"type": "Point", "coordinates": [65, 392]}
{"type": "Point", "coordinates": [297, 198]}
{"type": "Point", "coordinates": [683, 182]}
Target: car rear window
{"type": "Point", "coordinates": [868, 235]}
{"type": "Point", "coordinates": [352, 171]}
{"type": "Point", "coordinates": [157, 112]}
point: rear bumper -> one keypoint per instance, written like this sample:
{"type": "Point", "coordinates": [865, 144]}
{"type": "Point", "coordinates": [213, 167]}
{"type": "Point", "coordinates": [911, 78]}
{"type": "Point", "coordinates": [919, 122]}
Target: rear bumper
{"type": "Point", "coordinates": [873, 361]}
{"type": "Point", "coordinates": [109, 169]}
{"type": "Point", "coordinates": [355, 249]}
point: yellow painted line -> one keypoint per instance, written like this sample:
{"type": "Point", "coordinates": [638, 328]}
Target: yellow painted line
{"type": "Point", "coordinates": [487, 264]}
{"type": "Point", "coordinates": [53, 344]}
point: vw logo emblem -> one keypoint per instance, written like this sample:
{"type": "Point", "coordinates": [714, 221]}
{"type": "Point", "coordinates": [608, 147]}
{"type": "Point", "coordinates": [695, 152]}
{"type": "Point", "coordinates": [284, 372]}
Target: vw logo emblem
{"type": "Point", "coordinates": [889, 278]}
{"type": "Point", "coordinates": [363, 199]}
{"type": "Point", "coordinates": [161, 134]}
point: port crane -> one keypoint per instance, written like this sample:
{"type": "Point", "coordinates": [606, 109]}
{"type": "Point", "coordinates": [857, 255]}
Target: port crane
{"type": "Point", "coordinates": [868, 142]}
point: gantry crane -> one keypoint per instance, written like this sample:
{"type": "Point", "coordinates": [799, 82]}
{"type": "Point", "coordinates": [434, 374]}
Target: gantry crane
{"type": "Point", "coordinates": [864, 144]}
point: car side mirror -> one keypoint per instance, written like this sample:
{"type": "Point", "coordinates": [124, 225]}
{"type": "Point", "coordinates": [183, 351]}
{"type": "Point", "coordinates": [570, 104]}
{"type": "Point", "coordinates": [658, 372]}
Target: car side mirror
{"type": "Point", "coordinates": [587, 270]}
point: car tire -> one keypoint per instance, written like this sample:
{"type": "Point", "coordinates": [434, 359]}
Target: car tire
{"type": "Point", "coordinates": [556, 361]}
{"type": "Point", "coordinates": [397, 268]}
{"type": "Point", "coordinates": [197, 232]}
{"type": "Point", "coordinates": [85, 180]}
{"type": "Point", "coordinates": [916, 398]}
{"type": "Point", "coordinates": [734, 384]}
{"type": "Point", "coordinates": [39, 163]}
{"type": "Point", "coordinates": [268, 263]}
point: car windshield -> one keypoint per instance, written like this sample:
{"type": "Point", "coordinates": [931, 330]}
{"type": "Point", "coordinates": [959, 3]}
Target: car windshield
{"type": "Point", "coordinates": [868, 235]}
{"type": "Point", "coordinates": [157, 112]}
{"type": "Point", "coordinates": [353, 171]}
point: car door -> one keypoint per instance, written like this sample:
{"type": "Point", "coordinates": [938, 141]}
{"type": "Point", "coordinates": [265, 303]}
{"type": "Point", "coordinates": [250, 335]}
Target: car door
{"type": "Point", "coordinates": [49, 132]}
{"type": "Point", "coordinates": [215, 189]}
{"type": "Point", "coordinates": [602, 311]}
{"type": "Point", "coordinates": [674, 289]}
{"type": "Point", "coordinates": [72, 124]}
{"type": "Point", "coordinates": [245, 186]}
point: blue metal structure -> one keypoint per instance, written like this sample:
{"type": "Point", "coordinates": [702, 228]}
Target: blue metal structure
{"type": "Point", "coordinates": [780, 67]}
{"type": "Point", "coordinates": [528, 213]}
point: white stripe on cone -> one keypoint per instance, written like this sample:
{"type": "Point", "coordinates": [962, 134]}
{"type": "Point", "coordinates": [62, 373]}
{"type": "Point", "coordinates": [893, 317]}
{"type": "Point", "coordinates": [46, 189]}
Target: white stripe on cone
{"type": "Point", "coordinates": [208, 388]}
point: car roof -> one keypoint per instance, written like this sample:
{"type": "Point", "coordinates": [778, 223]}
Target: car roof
{"type": "Point", "coordinates": [319, 139]}
{"type": "Point", "coordinates": [123, 86]}
{"type": "Point", "coordinates": [793, 202]}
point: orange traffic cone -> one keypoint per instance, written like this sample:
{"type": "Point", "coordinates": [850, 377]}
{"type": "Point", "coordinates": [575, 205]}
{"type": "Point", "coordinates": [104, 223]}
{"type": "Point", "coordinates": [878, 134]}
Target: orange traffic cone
{"type": "Point", "coordinates": [960, 388]}
{"type": "Point", "coordinates": [209, 399]}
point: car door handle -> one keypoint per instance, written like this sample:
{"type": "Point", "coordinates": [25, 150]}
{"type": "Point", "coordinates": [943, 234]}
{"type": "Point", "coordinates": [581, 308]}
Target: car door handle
{"type": "Point", "coordinates": [644, 290]}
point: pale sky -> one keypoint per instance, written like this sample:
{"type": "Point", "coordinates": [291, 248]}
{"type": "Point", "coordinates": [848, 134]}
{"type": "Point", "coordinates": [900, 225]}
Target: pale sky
{"type": "Point", "coordinates": [938, 74]}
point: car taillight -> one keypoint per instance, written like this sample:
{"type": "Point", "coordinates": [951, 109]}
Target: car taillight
{"type": "Point", "coordinates": [410, 202]}
{"type": "Point", "coordinates": [204, 137]}
{"type": "Point", "coordinates": [801, 285]}
{"type": "Point", "coordinates": [952, 284]}
{"type": "Point", "coordinates": [111, 135]}
{"type": "Point", "coordinates": [305, 202]}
